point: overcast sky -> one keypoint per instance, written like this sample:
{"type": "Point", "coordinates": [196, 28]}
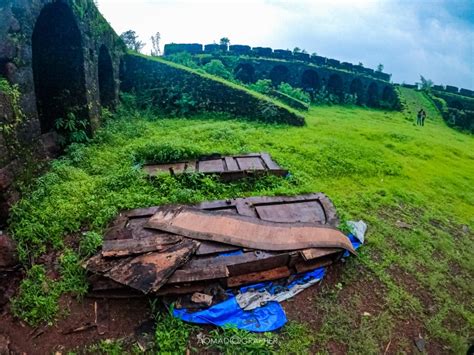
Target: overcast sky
{"type": "Point", "coordinates": [434, 38]}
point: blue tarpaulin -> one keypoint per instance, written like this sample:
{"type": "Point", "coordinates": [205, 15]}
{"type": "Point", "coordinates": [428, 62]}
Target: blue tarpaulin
{"type": "Point", "coordinates": [266, 317]}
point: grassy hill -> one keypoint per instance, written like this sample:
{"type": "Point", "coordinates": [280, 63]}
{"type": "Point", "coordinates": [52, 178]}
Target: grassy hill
{"type": "Point", "coordinates": [414, 186]}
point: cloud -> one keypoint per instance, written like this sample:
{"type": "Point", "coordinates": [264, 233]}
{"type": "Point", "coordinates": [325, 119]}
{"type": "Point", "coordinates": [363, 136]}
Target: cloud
{"type": "Point", "coordinates": [433, 38]}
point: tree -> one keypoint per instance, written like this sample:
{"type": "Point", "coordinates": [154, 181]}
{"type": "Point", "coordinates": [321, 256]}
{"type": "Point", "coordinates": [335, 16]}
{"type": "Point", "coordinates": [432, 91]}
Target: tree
{"type": "Point", "coordinates": [360, 64]}
{"type": "Point", "coordinates": [314, 54]}
{"type": "Point", "coordinates": [224, 41]}
{"type": "Point", "coordinates": [155, 42]}
{"type": "Point", "coordinates": [216, 67]}
{"type": "Point", "coordinates": [131, 40]}
{"type": "Point", "coordinates": [380, 68]}
{"type": "Point", "coordinates": [426, 84]}
{"type": "Point", "coordinates": [297, 50]}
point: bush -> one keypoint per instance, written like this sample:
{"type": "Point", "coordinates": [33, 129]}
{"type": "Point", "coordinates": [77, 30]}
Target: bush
{"type": "Point", "coordinates": [183, 58]}
{"type": "Point", "coordinates": [296, 93]}
{"type": "Point", "coordinates": [215, 67]}
{"type": "Point", "coordinates": [262, 86]}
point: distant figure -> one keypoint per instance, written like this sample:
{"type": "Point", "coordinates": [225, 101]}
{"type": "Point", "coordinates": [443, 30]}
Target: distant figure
{"type": "Point", "coordinates": [419, 117]}
{"type": "Point", "coordinates": [423, 117]}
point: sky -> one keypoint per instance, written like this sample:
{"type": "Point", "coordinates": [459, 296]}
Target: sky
{"type": "Point", "coordinates": [433, 38]}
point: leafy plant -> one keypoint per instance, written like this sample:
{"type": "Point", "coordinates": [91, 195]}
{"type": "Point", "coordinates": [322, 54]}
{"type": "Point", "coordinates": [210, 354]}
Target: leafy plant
{"type": "Point", "coordinates": [296, 93]}
{"type": "Point", "coordinates": [90, 242]}
{"type": "Point", "coordinates": [263, 86]}
{"type": "Point", "coordinates": [172, 334]}
{"type": "Point", "coordinates": [215, 67]}
{"type": "Point", "coordinates": [72, 130]}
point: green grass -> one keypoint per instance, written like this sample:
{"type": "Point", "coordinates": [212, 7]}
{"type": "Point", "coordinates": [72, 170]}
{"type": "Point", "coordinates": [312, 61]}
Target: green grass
{"type": "Point", "coordinates": [375, 165]}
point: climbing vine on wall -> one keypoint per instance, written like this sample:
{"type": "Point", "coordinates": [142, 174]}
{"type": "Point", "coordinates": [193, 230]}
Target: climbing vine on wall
{"type": "Point", "coordinates": [10, 123]}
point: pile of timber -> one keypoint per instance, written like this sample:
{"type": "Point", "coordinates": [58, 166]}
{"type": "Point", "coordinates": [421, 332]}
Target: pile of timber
{"type": "Point", "coordinates": [228, 168]}
{"type": "Point", "coordinates": [176, 250]}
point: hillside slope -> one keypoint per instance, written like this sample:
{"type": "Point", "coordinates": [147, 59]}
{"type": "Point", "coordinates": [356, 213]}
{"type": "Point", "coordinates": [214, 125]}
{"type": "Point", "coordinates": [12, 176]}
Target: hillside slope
{"type": "Point", "coordinates": [414, 186]}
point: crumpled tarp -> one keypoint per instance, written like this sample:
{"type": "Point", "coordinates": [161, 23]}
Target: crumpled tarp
{"type": "Point", "coordinates": [256, 308]}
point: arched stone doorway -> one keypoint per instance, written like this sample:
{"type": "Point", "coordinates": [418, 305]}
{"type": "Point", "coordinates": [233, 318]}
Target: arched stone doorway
{"type": "Point", "coordinates": [245, 73]}
{"type": "Point", "coordinates": [106, 79]}
{"type": "Point", "coordinates": [336, 86]}
{"type": "Point", "coordinates": [58, 66]}
{"type": "Point", "coordinates": [279, 74]}
{"type": "Point", "coordinates": [373, 95]}
{"type": "Point", "coordinates": [310, 81]}
{"type": "Point", "coordinates": [357, 89]}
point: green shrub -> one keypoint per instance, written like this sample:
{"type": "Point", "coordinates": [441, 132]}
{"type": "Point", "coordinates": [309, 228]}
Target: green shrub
{"type": "Point", "coordinates": [90, 242]}
{"type": "Point", "coordinates": [183, 58]}
{"type": "Point", "coordinates": [296, 93]}
{"type": "Point", "coordinates": [37, 298]}
{"type": "Point", "coordinates": [164, 153]}
{"type": "Point", "coordinates": [171, 334]}
{"type": "Point", "coordinates": [215, 67]}
{"type": "Point", "coordinates": [262, 86]}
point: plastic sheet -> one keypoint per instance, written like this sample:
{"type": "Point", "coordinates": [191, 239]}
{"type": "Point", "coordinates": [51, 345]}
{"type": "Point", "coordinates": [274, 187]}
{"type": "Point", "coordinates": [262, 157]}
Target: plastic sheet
{"type": "Point", "coordinates": [263, 312]}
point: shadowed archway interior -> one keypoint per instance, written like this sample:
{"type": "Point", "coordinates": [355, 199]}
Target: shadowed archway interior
{"type": "Point", "coordinates": [310, 80]}
{"type": "Point", "coordinates": [279, 74]}
{"type": "Point", "coordinates": [245, 73]}
{"type": "Point", "coordinates": [373, 95]}
{"type": "Point", "coordinates": [58, 66]}
{"type": "Point", "coordinates": [106, 78]}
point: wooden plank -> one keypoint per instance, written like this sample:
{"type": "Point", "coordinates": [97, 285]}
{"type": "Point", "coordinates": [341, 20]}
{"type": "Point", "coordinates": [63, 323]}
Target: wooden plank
{"type": "Point", "coordinates": [250, 163]}
{"type": "Point", "coordinates": [148, 272]}
{"type": "Point", "coordinates": [207, 248]}
{"type": "Point", "coordinates": [271, 165]}
{"type": "Point", "coordinates": [126, 247]}
{"type": "Point", "coordinates": [231, 164]}
{"type": "Point", "coordinates": [303, 211]}
{"type": "Point", "coordinates": [192, 275]}
{"type": "Point", "coordinates": [211, 166]}
{"type": "Point", "coordinates": [313, 265]}
{"type": "Point", "coordinates": [314, 253]}
{"type": "Point", "coordinates": [247, 232]}
{"type": "Point", "coordinates": [99, 265]}
{"type": "Point", "coordinates": [255, 277]}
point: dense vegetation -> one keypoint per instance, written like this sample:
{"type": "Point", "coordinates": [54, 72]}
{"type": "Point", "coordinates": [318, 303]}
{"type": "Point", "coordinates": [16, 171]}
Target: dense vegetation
{"type": "Point", "coordinates": [412, 185]}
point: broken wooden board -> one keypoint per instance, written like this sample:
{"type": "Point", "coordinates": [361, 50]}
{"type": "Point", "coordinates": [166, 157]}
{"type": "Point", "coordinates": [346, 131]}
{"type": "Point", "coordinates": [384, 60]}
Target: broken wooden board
{"type": "Point", "coordinates": [247, 232]}
{"type": "Point", "coordinates": [126, 247]}
{"type": "Point", "coordinates": [212, 267]}
{"type": "Point", "coordinates": [148, 272]}
{"type": "Point", "coordinates": [314, 208]}
{"type": "Point", "coordinates": [314, 253]}
{"type": "Point", "coordinates": [305, 266]}
{"type": "Point", "coordinates": [229, 168]}
{"type": "Point", "coordinates": [256, 277]}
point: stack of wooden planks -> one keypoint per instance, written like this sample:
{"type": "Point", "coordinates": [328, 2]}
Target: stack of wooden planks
{"type": "Point", "coordinates": [171, 250]}
{"type": "Point", "coordinates": [229, 168]}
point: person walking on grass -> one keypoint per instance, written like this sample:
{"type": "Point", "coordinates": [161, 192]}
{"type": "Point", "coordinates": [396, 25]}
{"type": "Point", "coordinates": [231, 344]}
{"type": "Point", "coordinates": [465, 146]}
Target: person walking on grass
{"type": "Point", "coordinates": [418, 117]}
{"type": "Point", "coordinates": [423, 117]}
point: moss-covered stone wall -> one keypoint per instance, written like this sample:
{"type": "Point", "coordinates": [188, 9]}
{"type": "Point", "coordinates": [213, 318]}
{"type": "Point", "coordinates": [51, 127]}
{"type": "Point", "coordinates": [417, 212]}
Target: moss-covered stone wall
{"type": "Point", "coordinates": [175, 88]}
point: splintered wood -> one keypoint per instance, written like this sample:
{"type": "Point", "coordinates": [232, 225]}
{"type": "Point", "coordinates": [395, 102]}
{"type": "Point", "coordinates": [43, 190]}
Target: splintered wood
{"type": "Point", "coordinates": [228, 168]}
{"type": "Point", "coordinates": [183, 249]}
{"type": "Point", "coordinates": [246, 232]}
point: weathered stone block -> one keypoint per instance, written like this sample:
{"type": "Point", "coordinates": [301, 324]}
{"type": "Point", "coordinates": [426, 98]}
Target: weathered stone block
{"type": "Point", "coordinates": [8, 257]}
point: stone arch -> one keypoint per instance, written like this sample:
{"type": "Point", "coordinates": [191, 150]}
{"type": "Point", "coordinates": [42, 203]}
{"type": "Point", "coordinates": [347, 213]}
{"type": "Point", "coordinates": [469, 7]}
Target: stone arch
{"type": "Point", "coordinates": [457, 104]}
{"type": "Point", "coordinates": [279, 74]}
{"type": "Point", "coordinates": [58, 66]}
{"type": "Point", "coordinates": [357, 88]}
{"type": "Point", "coordinates": [310, 80]}
{"type": "Point", "coordinates": [373, 95]}
{"type": "Point", "coordinates": [106, 78]}
{"type": "Point", "coordinates": [389, 95]}
{"type": "Point", "coordinates": [335, 85]}
{"type": "Point", "coordinates": [245, 72]}
{"type": "Point", "coordinates": [3, 67]}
